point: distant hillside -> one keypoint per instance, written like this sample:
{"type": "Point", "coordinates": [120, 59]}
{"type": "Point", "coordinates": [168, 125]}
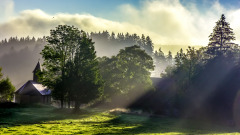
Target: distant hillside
{"type": "Point", "coordinates": [19, 56]}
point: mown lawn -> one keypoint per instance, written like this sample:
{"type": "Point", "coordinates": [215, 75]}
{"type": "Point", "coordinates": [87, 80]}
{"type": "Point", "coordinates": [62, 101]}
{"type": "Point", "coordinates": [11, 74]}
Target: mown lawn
{"type": "Point", "coordinates": [48, 120]}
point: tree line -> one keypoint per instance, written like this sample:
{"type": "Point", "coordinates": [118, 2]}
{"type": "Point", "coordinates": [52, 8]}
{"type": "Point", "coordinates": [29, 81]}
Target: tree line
{"type": "Point", "coordinates": [202, 83]}
{"type": "Point", "coordinates": [73, 72]}
{"type": "Point", "coordinates": [124, 40]}
{"type": "Point", "coordinates": [102, 40]}
{"type": "Point", "coordinates": [22, 51]}
{"type": "Point", "coordinates": [22, 41]}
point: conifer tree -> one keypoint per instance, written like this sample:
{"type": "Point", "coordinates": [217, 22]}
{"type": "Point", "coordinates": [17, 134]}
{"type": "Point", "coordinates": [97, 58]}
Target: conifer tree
{"type": "Point", "coordinates": [149, 46]}
{"type": "Point", "coordinates": [221, 37]}
{"type": "Point", "coordinates": [143, 39]}
{"type": "Point", "coordinates": [169, 58]}
{"type": "Point", "coordinates": [179, 58]}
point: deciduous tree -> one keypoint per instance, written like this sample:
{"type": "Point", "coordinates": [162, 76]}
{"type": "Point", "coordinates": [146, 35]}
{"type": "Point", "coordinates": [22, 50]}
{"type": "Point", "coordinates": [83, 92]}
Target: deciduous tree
{"type": "Point", "coordinates": [128, 72]}
{"type": "Point", "coordinates": [6, 88]}
{"type": "Point", "coordinates": [70, 66]}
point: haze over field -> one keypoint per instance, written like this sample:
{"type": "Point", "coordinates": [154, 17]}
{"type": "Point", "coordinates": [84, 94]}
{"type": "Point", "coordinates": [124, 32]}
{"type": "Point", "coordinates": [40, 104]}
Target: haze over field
{"type": "Point", "coordinates": [175, 23]}
{"type": "Point", "coordinates": [150, 66]}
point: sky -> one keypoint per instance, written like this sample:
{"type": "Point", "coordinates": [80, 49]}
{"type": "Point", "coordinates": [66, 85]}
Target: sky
{"type": "Point", "coordinates": [167, 22]}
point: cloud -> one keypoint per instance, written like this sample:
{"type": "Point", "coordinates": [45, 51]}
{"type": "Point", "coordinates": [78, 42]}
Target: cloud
{"type": "Point", "coordinates": [234, 19]}
{"type": "Point", "coordinates": [174, 23]}
{"type": "Point", "coordinates": [39, 23]}
{"type": "Point", "coordinates": [167, 22]}
{"type": "Point", "coordinates": [6, 9]}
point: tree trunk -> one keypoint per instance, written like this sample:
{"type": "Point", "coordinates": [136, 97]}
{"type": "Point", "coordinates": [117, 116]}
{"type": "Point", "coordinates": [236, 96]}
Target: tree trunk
{"type": "Point", "coordinates": [61, 103]}
{"type": "Point", "coordinates": [69, 103]}
{"type": "Point", "coordinates": [77, 105]}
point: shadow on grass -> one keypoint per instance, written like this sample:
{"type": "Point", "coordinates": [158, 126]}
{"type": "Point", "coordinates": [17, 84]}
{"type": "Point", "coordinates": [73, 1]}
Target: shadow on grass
{"type": "Point", "coordinates": [36, 114]}
{"type": "Point", "coordinates": [152, 125]}
{"type": "Point", "coordinates": [94, 121]}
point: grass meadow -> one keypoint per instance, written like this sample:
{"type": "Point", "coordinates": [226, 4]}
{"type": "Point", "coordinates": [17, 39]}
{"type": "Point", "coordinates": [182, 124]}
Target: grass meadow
{"type": "Point", "coordinates": [49, 120]}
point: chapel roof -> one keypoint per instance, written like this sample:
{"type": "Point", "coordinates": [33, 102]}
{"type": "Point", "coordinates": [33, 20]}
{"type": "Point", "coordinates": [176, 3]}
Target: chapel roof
{"type": "Point", "coordinates": [38, 86]}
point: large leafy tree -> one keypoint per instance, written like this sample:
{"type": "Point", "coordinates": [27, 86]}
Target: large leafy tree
{"type": "Point", "coordinates": [110, 75]}
{"type": "Point", "coordinates": [127, 72]}
{"type": "Point", "coordinates": [56, 54]}
{"type": "Point", "coordinates": [221, 37]}
{"type": "Point", "coordinates": [70, 65]}
{"type": "Point", "coordinates": [6, 89]}
{"type": "Point", "coordinates": [84, 76]}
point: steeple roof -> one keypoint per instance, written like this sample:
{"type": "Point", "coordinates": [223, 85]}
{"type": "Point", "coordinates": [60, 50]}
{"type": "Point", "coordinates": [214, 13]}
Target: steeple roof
{"type": "Point", "coordinates": [38, 67]}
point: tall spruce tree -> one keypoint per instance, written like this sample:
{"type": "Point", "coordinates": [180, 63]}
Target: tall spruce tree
{"type": "Point", "coordinates": [169, 58]}
{"type": "Point", "coordinates": [149, 46]}
{"type": "Point", "coordinates": [221, 37]}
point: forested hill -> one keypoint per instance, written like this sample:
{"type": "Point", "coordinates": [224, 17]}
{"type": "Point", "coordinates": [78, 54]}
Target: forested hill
{"type": "Point", "coordinates": [18, 56]}
{"type": "Point", "coordinates": [109, 44]}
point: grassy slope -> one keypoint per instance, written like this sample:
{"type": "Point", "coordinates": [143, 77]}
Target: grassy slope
{"type": "Point", "coordinates": [54, 121]}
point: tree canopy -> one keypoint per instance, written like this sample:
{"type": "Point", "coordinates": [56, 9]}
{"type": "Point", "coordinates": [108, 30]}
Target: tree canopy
{"type": "Point", "coordinates": [221, 37]}
{"type": "Point", "coordinates": [70, 65]}
{"type": "Point", "coordinates": [203, 82]}
{"type": "Point", "coordinates": [6, 88]}
{"type": "Point", "coordinates": [127, 72]}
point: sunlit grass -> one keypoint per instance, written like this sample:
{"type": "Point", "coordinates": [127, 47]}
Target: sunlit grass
{"type": "Point", "coordinates": [93, 121]}
{"type": "Point", "coordinates": [91, 125]}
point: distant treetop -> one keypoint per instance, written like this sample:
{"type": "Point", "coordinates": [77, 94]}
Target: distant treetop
{"type": "Point", "coordinates": [221, 37]}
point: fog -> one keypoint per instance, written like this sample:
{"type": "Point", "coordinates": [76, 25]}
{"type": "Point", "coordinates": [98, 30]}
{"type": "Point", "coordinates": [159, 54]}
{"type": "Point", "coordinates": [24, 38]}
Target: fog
{"type": "Point", "coordinates": [19, 57]}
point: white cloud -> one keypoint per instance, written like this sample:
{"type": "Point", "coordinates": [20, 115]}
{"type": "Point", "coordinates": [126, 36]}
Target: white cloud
{"type": "Point", "coordinates": [165, 21]}
{"type": "Point", "coordinates": [6, 9]}
{"type": "Point", "coordinates": [39, 23]}
{"type": "Point", "coordinates": [234, 19]}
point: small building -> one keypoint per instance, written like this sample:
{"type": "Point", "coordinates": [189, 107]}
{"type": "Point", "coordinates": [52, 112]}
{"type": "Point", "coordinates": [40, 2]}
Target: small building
{"type": "Point", "coordinates": [33, 91]}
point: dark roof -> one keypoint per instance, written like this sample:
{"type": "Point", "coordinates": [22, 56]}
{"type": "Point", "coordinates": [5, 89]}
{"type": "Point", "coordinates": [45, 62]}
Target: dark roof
{"type": "Point", "coordinates": [38, 86]}
{"type": "Point", "coordinates": [38, 67]}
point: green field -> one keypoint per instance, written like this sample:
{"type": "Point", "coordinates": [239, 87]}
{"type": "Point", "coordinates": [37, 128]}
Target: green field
{"type": "Point", "coordinates": [48, 120]}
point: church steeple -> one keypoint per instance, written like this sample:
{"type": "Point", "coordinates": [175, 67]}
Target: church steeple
{"type": "Point", "coordinates": [36, 69]}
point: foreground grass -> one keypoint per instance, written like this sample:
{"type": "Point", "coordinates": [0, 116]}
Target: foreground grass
{"type": "Point", "coordinates": [47, 120]}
